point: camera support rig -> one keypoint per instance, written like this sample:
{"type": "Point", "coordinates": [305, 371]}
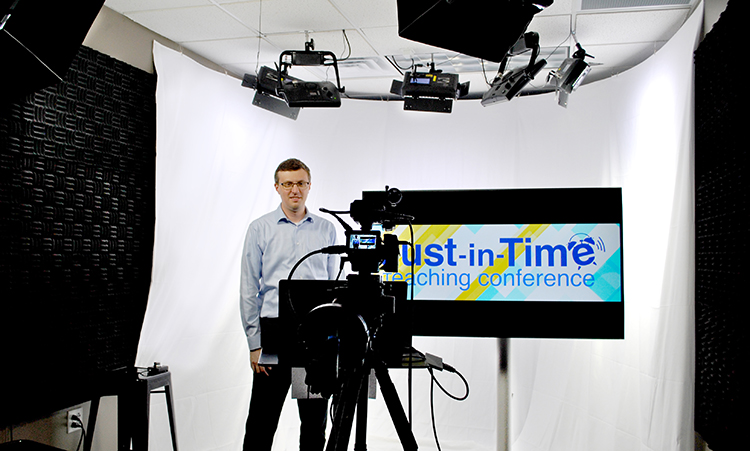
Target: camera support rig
{"type": "Point", "coordinates": [346, 340]}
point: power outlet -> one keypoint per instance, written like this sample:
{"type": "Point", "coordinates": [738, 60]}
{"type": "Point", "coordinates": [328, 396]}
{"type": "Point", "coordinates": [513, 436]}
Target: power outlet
{"type": "Point", "coordinates": [71, 414]}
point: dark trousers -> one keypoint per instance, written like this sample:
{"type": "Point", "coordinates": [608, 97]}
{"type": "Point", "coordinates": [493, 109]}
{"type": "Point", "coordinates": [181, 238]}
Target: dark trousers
{"type": "Point", "coordinates": [266, 402]}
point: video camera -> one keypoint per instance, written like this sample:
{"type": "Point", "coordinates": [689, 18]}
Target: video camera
{"type": "Point", "coordinates": [368, 251]}
{"type": "Point", "coordinates": [338, 324]}
{"type": "Point", "coordinates": [345, 330]}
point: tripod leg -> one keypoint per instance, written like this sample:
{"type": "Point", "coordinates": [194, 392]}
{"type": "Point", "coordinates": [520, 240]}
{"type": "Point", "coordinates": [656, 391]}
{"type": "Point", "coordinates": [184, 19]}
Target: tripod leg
{"type": "Point", "coordinates": [390, 396]}
{"type": "Point", "coordinates": [360, 439]}
{"type": "Point", "coordinates": [343, 415]}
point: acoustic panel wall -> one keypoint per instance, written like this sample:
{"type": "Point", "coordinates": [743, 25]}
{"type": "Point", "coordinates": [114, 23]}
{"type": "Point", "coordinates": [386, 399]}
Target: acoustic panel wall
{"type": "Point", "coordinates": [77, 169]}
{"type": "Point", "coordinates": [722, 228]}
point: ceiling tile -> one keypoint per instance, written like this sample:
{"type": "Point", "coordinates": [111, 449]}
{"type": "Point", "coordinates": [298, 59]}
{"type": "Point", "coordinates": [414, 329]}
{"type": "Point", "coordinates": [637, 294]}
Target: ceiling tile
{"type": "Point", "coordinates": [553, 30]}
{"type": "Point", "coordinates": [386, 41]}
{"type": "Point", "coordinates": [333, 41]}
{"type": "Point", "coordinates": [123, 6]}
{"type": "Point", "coordinates": [629, 27]}
{"type": "Point", "coordinates": [560, 7]}
{"type": "Point", "coordinates": [192, 24]}
{"type": "Point", "coordinates": [620, 56]}
{"type": "Point", "coordinates": [228, 51]}
{"type": "Point", "coordinates": [283, 16]}
{"type": "Point", "coordinates": [369, 13]}
{"type": "Point", "coordinates": [367, 68]}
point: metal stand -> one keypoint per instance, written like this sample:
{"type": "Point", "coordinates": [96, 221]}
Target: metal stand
{"type": "Point", "coordinates": [142, 390]}
{"type": "Point", "coordinates": [503, 396]}
{"type": "Point", "coordinates": [353, 394]}
{"type": "Point", "coordinates": [133, 391]}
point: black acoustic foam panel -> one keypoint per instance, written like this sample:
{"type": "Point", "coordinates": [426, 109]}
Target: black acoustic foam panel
{"type": "Point", "coordinates": [721, 174]}
{"type": "Point", "coordinates": [77, 173]}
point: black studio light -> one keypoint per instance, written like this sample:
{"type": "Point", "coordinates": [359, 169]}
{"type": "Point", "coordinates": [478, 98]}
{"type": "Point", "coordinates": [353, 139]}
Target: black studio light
{"type": "Point", "coordinates": [507, 84]}
{"type": "Point", "coordinates": [301, 93]}
{"type": "Point", "coordinates": [569, 75]}
{"type": "Point", "coordinates": [429, 91]}
{"type": "Point", "coordinates": [280, 93]}
{"type": "Point", "coordinates": [265, 84]}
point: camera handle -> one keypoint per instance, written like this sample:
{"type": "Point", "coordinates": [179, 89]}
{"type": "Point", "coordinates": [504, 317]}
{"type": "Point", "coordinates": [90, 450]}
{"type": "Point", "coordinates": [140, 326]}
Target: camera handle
{"type": "Point", "coordinates": [353, 394]}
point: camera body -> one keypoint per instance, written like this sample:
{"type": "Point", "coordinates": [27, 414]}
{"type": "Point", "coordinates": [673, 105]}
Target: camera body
{"type": "Point", "coordinates": [339, 325]}
{"type": "Point", "coordinates": [369, 252]}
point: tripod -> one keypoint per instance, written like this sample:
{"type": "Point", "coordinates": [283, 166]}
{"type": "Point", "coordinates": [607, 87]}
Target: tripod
{"type": "Point", "coordinates": [353, 394]}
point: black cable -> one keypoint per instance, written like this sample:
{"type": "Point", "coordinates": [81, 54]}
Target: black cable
{"type": "Point", "coordinates": [570, 33]}
{"type": "Point", "coordinates": [432, 410]}
{"type": "Point", "coordinates": [450, 369]}
{"type": "Point", "coordinates": [394, 65]}
{"type": "Point", "coordinates": [294, 268]}
{"type": "Point", "coordinates": [346, 38]}
{"type": "Point", "coordinates": [77, 423]}
{"type": "Point", "coordinates": [393, 62]}
{"type": "Point", "coordinates": [450, 395]}
{"type": "Point", "coordinates": [80, 440]}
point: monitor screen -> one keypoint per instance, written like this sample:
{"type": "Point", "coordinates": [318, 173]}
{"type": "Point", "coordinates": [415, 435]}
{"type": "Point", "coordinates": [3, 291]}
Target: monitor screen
{"type": "Point", "coordinates": [512, 262]}
{"type": "Point", "coordinates": [537, 263]}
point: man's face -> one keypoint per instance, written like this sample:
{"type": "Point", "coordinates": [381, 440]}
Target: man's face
{"type": "Point", "coordinates": [293, 199]}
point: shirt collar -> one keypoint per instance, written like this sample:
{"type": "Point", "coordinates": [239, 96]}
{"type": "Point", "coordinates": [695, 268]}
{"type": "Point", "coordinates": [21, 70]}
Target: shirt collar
{"type": "Point", "coordinates": [280, 216]}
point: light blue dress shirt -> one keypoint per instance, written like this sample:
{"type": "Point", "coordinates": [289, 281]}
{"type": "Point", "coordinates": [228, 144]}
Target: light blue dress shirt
{"type": "Point", "coordinates": [273, 245]}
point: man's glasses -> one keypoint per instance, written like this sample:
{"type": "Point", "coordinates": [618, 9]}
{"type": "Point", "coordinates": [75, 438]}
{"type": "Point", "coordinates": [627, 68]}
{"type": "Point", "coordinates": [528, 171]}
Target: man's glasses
{"type": "Point", "coordinates": [290, 185]}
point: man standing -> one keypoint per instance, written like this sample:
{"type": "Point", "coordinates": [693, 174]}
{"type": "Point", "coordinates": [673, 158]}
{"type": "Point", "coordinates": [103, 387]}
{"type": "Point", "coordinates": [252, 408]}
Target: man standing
{"type": "Point", "coordinates": [273, 244]}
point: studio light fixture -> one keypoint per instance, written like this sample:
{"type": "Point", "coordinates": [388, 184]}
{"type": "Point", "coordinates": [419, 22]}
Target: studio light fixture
{"type": "Point", "coordinates": [429, 91]}
{"type": "Point", "coordinates": [280, 93]}
{"type": "Point", "coordinates": [301, 93]}
{"type": "Point", "coordinates": [569, 75]}
{"type": "Point", "coordinates": [266, 97]}
{"type": "Point", "coordinates": [507, 84]}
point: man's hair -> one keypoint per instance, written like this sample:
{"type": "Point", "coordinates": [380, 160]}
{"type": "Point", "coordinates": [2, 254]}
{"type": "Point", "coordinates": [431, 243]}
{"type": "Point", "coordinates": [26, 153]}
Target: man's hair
{"type": "Point", "coordinates": [292, 164]}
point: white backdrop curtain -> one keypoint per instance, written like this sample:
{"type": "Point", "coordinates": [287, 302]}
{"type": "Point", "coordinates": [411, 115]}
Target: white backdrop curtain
{"type": "Point", "coordinates": [216, 154]}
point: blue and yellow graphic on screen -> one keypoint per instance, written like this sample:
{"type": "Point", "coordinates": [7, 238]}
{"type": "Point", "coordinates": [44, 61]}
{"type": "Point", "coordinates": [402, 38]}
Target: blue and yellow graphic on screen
{"type": "Point", "coordinates": [505, 262]}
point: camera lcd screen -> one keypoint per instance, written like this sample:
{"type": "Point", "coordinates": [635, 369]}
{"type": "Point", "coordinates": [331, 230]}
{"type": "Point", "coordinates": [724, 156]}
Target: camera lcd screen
{"type": "Point", "coordinates": [362, 241]}
{"type": "Point", "coordinates": [537, 263]}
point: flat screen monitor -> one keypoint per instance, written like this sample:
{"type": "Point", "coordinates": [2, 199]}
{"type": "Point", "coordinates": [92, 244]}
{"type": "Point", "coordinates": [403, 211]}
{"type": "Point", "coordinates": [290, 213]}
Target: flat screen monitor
{"type": "Point", "coordinates": [536, 263]}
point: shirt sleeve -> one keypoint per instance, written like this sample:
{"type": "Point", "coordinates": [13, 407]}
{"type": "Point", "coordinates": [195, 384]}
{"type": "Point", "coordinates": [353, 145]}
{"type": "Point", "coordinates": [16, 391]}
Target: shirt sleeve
{"type": "Point", "coordinates": [250, 303]}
